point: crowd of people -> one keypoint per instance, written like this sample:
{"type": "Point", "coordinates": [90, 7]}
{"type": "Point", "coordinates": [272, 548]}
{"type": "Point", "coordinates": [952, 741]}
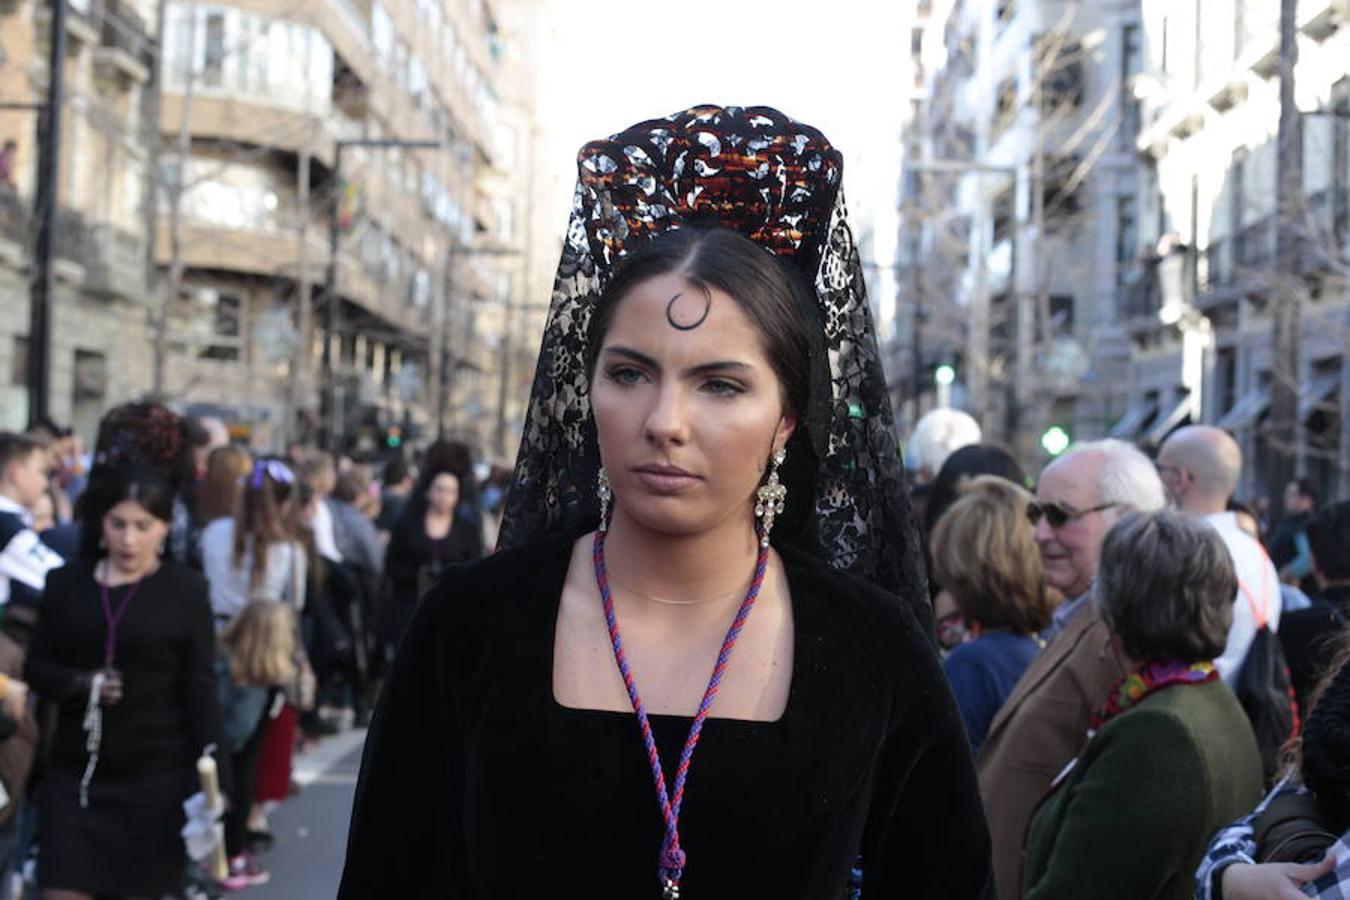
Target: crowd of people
{"type": "Point", "coordinates": [174, 595]}
{"type": "Point", "coordinates": [707, 560]}
{"type": "Point", "coordinates": [1069, 617]}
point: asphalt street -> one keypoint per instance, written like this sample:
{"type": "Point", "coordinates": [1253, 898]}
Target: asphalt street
{"type": "Point", "coordinates": [311, 829]}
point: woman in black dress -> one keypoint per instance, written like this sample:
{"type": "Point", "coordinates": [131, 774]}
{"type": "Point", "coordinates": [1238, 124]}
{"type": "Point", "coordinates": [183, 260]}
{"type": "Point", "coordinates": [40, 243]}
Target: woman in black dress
{"type": "Point", "coordinates": [124, 647]}
{"type": "Point", "coordinates": [430, 535]}
{"type": "Point", "coordinates": [708, 548]}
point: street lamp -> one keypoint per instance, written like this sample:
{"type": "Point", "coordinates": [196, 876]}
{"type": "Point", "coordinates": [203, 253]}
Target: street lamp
{"type": "Point", "coordinates": [332, 414]}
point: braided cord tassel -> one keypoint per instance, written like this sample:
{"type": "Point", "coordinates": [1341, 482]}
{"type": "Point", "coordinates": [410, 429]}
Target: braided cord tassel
{"type": "Point", "coordinates": [672, 857]}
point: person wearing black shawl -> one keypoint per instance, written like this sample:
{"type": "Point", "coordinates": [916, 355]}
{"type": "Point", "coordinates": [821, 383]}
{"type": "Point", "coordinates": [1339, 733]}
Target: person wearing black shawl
{"type": "Point", "coordinates": [708, 461]}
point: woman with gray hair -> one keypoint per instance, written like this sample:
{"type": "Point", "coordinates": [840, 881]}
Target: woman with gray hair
{"type": "Point", "coordinates": [1170, 755]}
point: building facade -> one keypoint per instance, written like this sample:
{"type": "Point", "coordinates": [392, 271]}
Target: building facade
{"type": "Point", "coordinates": [1018, 169]}
{"type": "Point", "coordinates": [1198, 301]}
{"type": "Point", "coordinates": [248, 124]}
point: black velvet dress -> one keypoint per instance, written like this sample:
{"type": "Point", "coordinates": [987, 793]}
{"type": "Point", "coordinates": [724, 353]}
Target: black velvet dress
{"type": "Point", "coordinates": [477, 783]}
{"type": "Point", "coordinates": [126, 842]}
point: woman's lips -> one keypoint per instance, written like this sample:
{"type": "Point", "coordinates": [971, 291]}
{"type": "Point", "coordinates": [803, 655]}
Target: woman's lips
{"type": "Point", "coordinates": [665, 479]}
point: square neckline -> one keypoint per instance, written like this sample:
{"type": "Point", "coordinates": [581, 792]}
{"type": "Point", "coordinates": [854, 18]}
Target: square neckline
{"type": "Point", "coordinates": [794, 685]}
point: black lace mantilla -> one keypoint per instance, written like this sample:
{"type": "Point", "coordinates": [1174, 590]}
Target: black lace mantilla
{"type": "Point", "coordinates": [777, 180]}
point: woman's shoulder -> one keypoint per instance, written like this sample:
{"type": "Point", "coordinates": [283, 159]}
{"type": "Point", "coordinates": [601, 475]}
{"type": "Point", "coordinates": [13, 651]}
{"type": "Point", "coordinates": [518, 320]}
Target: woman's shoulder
{"type": "Point", "coordinates": [221, 529]}
{"type": "Point", "coordinates": [63, 577]}
{"type": "Point", "coordinates": [506, 581]}
{"type": "Point", "coordinates": [850, 601]}
{"type": "Point", "coordinates": [180, 579]}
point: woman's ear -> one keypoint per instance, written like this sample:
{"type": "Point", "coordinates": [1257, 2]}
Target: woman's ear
{"type": "Point", "coordinates": [786, 426]}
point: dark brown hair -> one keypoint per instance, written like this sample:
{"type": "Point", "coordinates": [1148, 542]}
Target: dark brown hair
{"type": "Point", "coordinates": [768, 292]}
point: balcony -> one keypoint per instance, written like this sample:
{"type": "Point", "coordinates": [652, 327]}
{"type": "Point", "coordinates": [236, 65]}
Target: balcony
{"type": "Point", "coordinates": [114, 262]}
{"type": "Point", "coordinates": [125, 47]}
{"type": "Point", "coordinates": [255, 123]}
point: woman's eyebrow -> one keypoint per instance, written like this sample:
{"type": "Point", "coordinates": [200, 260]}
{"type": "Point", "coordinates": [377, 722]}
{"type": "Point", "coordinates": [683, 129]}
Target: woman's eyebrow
{"type": "Point", "coordinates": [721, 365]}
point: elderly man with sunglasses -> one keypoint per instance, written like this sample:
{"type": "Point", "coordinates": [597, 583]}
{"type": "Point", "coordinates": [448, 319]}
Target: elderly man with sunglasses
{"type": "Point", "coordinates": [1044, 722]}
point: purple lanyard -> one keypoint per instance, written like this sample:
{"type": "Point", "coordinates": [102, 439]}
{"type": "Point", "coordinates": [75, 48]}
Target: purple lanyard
{"type": "Point", "coordinates": [114, 617]}
{"type": "Point", "coordinates": [672, 858]}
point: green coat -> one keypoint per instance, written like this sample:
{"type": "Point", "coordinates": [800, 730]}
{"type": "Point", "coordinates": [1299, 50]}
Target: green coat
{"type": "Point", "coordinates": [1132, 818]}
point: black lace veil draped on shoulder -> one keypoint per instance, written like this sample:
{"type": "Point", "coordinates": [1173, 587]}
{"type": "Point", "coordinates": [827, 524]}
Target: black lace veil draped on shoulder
{"type": "Point", "coordinates": [777, 180]}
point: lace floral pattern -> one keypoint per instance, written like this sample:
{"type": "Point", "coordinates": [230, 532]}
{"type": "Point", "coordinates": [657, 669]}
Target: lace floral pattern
{"type": "Point", "coordinates": [778, 181]}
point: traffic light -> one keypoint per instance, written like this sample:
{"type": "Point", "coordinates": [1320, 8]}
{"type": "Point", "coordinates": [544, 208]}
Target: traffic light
{"type": "Point", "coordinates": [394, 438]}
{"type": "Point", "coordinates": [1055, 440]}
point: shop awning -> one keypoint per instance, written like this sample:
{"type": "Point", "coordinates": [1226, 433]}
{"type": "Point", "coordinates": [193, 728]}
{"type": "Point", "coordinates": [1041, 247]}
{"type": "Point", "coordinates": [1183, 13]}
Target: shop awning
{"type": "Point", "coordinates": [1250, 407]}
{"type": "Point", "coordinates": [1316, 394]}
{"type": "Point", "coordinates": [1134, 420]}
{"type": "Point", "coordinates": [1177, 413]}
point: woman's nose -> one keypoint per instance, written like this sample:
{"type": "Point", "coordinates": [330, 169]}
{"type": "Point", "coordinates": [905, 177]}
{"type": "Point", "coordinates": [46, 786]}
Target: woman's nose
{"type": "Point", "coordinates": [667, 420]}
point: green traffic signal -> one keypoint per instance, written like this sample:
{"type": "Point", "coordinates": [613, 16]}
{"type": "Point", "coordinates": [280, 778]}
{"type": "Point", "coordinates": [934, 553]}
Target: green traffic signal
{"type": "Point", "coordinates": [1055, 440]}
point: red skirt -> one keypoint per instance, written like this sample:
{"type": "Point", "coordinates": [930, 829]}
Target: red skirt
{"type": "Point", "coordinates": [273, 780]}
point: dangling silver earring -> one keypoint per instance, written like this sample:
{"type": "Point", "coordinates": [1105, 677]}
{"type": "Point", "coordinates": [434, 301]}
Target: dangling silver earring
{"type": "Point", "coordinates": [602, 491]}
{"type": "Point", "coordinates": [771, 496]}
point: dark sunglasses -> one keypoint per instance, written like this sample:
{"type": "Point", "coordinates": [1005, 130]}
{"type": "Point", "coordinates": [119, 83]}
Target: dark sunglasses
{"type": "Point", "coordinates": [1057, 515]}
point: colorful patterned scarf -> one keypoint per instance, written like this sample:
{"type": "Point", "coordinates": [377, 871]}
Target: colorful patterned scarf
{"type": "Point", "coordinates": [1149, 679]}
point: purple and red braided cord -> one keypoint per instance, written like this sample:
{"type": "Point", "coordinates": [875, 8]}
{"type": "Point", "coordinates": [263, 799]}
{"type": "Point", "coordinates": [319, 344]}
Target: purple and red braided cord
{"type": "Point", "coordinates": [672, 858]}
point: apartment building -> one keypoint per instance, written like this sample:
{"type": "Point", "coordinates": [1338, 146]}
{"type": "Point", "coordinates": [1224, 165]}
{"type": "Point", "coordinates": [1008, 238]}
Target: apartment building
{"type": "Point", "coordinates": [1197, 300]}
{"type": "Point", "coordinates": [101, 291]}
{"type": "Point", "coordinates": [1020, 161]}
{"type": "Point", "coordinates": [270, 117]}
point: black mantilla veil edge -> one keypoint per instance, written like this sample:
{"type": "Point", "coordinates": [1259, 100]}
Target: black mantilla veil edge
{"type": "Point", "coordinates": [848, 496]}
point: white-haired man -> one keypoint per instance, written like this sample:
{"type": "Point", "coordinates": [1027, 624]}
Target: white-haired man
{"type": "Point", "coordinates": [1200, 466]}
{"type": "Point", "coordinates": [1043, 725]}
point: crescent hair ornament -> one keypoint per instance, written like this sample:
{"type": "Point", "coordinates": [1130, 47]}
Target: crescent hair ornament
{"type": "Point", "coordinates": [689, 326]}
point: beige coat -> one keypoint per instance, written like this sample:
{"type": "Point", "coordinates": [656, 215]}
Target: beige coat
{"type": "Point", "coordinates": [18, 750]}
{"type": "Point", "coordinates": [1041, 727]}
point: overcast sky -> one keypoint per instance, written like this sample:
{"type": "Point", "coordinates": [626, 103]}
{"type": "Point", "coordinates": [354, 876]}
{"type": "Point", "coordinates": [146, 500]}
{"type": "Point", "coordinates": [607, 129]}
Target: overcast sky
{"type": "Point", "coordinates": [832, 63]}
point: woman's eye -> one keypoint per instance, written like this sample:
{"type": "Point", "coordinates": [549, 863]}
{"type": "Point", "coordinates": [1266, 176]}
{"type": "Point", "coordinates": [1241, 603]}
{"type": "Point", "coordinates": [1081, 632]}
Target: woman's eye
{"type": "Point", "coordinates": [625, 375]}
{"type": "Point", "coordinates": [723, 388]}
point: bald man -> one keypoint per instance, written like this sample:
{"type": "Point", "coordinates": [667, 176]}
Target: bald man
{"type": "Point", "coordinates": [1200, 466]}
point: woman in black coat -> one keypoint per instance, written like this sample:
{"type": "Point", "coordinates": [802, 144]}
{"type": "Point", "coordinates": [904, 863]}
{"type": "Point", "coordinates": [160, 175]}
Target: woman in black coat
{"type": "Point", "coordinates": [430, 535]}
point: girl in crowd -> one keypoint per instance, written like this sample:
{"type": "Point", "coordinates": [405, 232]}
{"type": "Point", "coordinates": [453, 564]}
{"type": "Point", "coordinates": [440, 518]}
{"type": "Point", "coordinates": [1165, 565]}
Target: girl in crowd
{"type": "Point", "coordinates": [257, 659]}
{"type": "Point", "coordinates": [249, 557]}
{"type": "Point", "coordinates": [691, 470]}
{"type": "Point", "coordinates": [124, 647]}
{"type": "Point", "coordinates": [985, 557]}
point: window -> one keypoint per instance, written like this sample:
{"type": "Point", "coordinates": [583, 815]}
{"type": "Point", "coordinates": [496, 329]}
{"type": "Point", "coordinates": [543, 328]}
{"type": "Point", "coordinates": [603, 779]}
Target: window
{"type": "Point", "coordinates": [18, 373]}
{"type": "Point", "coordinates": [1127, 233]}
{"type": "Point", "coordinates": [226, 325]}
{"type": "Point", "coordinates": [1237, 192]}
{"type": "Point", "coordinates": [1003, 215]}
{"type": "Point", "coordinates": [916, 42]}
{"type": "Point", "coordinates": [1061, 188]}
{"type": "Point", "coordinates": [1061, 65]}
{"type": "Point", "coordinates": [1061, 314]}
{"type": "Point", "coordinates": [382, 34]}
{"type": "Point", "coordinates": [1005, 105]}
{"type": "Point", "coordinates": [1131, 54]}
{"type": "Point", "coordinates": [213, 64]}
